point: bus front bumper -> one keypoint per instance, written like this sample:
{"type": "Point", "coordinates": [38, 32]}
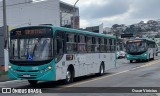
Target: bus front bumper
{"type": "Point", "coordinates": [40, 75]}
{"type": "Point", "coordinates": [137, 57]}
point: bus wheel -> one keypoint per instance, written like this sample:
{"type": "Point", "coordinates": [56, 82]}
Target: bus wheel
{"type": "Point", "coordinates": [69, 76]}
{"type": "Point", "coordinates": [147, 60]}
{"type": "Point", "coordinates": [33, 82]}
{"type": "Point", "coordinates": [131, 61]}
{"type": "Point", "coordinates": [101, 70]}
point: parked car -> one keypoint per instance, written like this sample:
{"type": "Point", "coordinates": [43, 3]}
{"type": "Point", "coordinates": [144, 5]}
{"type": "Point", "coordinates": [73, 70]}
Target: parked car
{"type": "Point", "coordinates": [121, 54]}
{"type": "Point", "coordinates": [158, 51]}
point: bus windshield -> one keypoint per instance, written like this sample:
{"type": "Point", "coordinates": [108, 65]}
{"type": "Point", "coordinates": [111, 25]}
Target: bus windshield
{"type": "Point", "coordinates": [32, 49]}
{"type": "Point", "coordinates": [136, 47]}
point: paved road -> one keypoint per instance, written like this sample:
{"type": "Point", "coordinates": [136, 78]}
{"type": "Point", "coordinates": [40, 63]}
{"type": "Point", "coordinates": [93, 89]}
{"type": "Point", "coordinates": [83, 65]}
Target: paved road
{"type": "Point", "coordinates": [141, 74]}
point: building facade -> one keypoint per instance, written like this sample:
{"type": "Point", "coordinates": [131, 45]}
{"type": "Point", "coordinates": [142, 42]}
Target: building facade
{"type": "Point", "coordinates": [22, 13]}
{"type": "Point", "coordinates": [29, 13]}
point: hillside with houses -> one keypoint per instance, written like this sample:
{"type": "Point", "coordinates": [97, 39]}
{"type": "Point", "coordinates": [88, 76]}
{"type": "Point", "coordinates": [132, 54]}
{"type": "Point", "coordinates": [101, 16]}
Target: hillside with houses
{"type": "Point", "coordinates": [148, 29]}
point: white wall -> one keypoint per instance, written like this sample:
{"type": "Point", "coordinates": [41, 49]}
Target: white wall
{"type": "Point", "coordinates": [46, 12]}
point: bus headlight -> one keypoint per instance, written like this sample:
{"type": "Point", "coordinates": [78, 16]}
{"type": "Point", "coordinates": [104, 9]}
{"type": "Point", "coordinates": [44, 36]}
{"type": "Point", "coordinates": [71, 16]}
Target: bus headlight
{"type": "Point", "coordinates": [9, 66]}
{"type": "Point", "coordinates": [49, 67]}
{"type": "Point", "coordinates": [145, 54]}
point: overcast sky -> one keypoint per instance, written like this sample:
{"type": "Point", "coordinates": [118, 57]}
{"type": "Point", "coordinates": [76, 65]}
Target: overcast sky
{"type": "Point", "coordinates": [109, 12]}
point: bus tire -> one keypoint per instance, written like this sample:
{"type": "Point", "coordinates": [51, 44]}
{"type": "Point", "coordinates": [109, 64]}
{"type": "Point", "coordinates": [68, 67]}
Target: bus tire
{"type": "Point", "coordinates": [33, 82]}
{"type": "Point", "coordinates": [101, 70]}
{"type": "Point", "coordinates": [131, 61]}
{"type": "Point", "coordinates": [69, 76]}
{"type": "Point", "coordinates": [147, 60]}
{"type": "Point", "coordinates": [137, 60]}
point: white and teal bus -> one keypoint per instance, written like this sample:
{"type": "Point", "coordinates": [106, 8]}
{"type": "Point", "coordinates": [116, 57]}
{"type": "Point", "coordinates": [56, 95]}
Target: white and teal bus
{"type": "Point", "coordinates": [49, 53]}
{"type": "Point", "coordinates": [140, 49]}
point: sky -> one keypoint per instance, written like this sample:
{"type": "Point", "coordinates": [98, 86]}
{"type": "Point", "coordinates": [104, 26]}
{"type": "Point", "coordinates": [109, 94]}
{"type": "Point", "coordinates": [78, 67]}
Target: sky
{"type": "Point", "coordinates": [109, 12]}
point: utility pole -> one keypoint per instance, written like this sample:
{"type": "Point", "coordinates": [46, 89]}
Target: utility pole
{"type": "Point", "coordinates": [116, 34]}
{"type": "Point", "coordinates": [5, 35]}
{"type": "Point", "coordinates": [116, 50]}
{"type": "Point", "coordinates": [5, 32]}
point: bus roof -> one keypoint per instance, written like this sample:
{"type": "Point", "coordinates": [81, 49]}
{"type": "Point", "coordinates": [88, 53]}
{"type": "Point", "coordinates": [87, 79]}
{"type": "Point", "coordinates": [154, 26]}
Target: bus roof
{"type": "Point", "coordinates": [83, 32]}
{"type": "Point", "coordinates": [71, 30]}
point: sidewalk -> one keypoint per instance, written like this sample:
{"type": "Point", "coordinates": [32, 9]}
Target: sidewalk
{"type": "Point", "coordinates": [4, 76]}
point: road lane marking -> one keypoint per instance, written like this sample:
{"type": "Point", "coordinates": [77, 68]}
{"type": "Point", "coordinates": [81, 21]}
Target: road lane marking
{"type": "Point", "coordinates": [145, 65]}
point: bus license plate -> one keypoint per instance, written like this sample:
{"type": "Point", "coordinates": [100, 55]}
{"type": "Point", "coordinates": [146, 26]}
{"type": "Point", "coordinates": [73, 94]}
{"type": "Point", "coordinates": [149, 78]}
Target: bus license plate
{"type": "Point", "coordinates": [26, 76]}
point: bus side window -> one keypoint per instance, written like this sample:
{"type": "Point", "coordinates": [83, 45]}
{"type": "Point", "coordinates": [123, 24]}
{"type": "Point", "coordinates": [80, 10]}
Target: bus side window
{"type": "Point", "coordinates": [97, 48]}
{"type": "Point", "coordinates": [59, 48]}
{"type": "Point", "coordinates": [105, 42]}
{"type": "Point", "coordinates": [89, 44]}
{"type": "Point", "coordinates": [110, 45]}
{"type": "Point", "coordinates": [102, 46]}
{"type": "Point", "coordinates": [59, 43]}
{"type": "Point", "coordinates": [93, 44]}
{"type": "Point", "coordinates": [114, 45]}
{"type": "Point", "coordinates": [70, 43]}
{"type": "Point", "coordinates": [76, 40]}
{"type": "Point", "coordinates": [82, 44]}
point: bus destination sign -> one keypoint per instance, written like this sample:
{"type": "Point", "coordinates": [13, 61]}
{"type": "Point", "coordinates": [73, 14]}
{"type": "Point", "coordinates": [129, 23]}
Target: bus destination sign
{"type": "Point", "coordinates": [31, 32]}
